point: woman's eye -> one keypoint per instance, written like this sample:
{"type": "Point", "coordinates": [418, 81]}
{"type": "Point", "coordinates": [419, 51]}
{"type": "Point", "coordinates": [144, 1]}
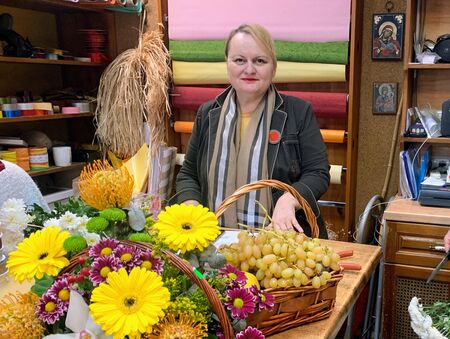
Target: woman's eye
{"type": "Point", "coordinates": [261, 61]}
{"type": "Point", "coordinates": [239, 61]}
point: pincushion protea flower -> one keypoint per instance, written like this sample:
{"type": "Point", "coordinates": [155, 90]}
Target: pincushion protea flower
{"type": "Point", "coordinates": [102, 186]}
{"type": "Point", "coordinates": [18, 317]}
{"type": "Point", "coordinates": [183, 326]}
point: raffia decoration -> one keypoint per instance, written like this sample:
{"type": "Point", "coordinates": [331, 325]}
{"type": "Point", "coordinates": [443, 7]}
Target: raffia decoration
{"type": "Point", "coordinates": [101, 186]}
{"type": "Point", "coordinates": [134, 89]}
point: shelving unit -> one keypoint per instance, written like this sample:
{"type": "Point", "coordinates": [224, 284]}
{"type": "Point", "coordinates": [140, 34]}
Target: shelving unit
{"type": "Point", "coordinates": [45, 117]}
{"type": "Point", "coordinates": [18, 60]}
{"type": "Point", "coordinates": [412, 230]}
{"type": "Point", "coordinates": [57, 169]}
{"type": "Point", "coordinates": [60, 24]}
{"type": "Point", "coordinates": [412, 65]}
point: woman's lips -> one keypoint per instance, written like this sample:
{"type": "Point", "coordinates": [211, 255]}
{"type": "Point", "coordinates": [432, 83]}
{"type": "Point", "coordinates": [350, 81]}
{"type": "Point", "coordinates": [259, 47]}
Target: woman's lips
{"type": "Point", "coordinates": [249, 79]}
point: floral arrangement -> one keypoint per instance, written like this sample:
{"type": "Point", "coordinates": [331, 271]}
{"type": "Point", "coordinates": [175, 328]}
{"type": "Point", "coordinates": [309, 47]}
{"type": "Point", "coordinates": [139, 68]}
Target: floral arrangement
{"type": "Point", "coordinates": [13, 221]}
{"type": "Point", "coordinates": [104, 271]}
{"type": "Point", "coordinates": [432, 321]}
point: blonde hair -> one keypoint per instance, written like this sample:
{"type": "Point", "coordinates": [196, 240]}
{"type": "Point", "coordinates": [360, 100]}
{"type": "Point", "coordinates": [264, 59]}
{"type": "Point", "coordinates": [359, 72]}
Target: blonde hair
{"type": "Point", "coordinates": [261, 36]}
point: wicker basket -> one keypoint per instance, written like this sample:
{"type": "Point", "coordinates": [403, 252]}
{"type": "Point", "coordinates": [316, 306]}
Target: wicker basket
{"type": "Point", "coordinates": [187, 269]}
{"type": "Point", "coordinates": [293, 306]}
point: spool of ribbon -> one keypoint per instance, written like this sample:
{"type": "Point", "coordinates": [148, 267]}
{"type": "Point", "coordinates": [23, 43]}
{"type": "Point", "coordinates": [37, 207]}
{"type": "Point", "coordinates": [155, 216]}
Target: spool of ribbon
{"type": "Point", "coordinates": [333, 136]}
{"type": "Point", "coordinates": [329, 135]}
{"type": "Point", "coordinates": [336, 172]}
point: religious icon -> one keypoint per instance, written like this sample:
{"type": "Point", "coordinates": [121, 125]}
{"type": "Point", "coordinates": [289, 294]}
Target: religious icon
{"type": "Point", "coordinates": [384, 97]}
{"type": "Point", "coordinates": [387, 36]}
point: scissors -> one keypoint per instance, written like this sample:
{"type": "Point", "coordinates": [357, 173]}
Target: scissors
{"type": "Point", "coordinates": [439, 266]}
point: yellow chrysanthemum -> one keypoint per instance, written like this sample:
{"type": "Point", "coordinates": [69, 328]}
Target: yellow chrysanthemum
{"type": "Point", "coordinates": [129, 304]}
{"type": "Point", "coordinates": [18, 317]}
{"type": "Point", "coordinates": [43, 252]}
{"type": "Point", "coordinates": [183, 327]}
{"type": "Point", "coordinates": [101, 186]}
{"type": "Point", "coordinates": [187, 227]}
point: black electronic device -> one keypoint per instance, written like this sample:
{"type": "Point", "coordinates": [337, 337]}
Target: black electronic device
{"type": "Point", "coordinates": [439, 197]}
{"type": "Point", "coordinates": [442, 47]}
{"type": "Point", "coordinates": [445, 119]}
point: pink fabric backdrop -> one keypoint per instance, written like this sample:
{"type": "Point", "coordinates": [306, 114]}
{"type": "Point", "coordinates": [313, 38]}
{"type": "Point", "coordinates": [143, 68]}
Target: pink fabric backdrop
{"type": "Point", "coordinates": [294, 20]}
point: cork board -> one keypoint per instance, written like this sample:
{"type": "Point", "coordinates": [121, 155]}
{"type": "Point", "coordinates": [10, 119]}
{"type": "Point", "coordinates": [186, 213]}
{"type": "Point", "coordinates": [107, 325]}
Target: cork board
{"type": "Point", "coordinates": [375, 131]}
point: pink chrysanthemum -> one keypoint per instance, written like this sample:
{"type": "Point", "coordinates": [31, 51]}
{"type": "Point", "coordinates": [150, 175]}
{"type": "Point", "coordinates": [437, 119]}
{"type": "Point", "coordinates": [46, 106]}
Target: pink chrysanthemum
{"type": "Point", "coordinates": [61, 291]}
{"type": "Point", "coordinates": [49, 309]}
{"type": "Point", "coordinates": [231, 272]}
{"type": "Point", "coordinates": [263, 300]}
{"type": "Point", "coordinates": [104, 247]}
{"type": "Point", "coordinates": [101, 268]}
{"type": "Point", "coordinates": [240, 302]}
{"type": "Point", "coordinates": [250, 333]}
{"type": "Point", "coordinates": [129, 256]}
{"type": "Point", "coordinates": [151, 262]}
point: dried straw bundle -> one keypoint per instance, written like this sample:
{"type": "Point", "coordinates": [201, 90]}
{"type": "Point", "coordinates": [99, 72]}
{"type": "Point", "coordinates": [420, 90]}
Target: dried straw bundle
{"type": "Point", "coordinates": [134, 89]}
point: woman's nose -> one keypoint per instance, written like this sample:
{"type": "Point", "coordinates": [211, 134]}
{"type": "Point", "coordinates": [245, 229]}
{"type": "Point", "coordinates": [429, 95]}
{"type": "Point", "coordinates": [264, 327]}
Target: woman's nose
{"type": "Point", "coordinates": [249, 68]}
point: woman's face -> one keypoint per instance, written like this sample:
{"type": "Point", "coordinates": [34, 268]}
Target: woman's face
{"type": "Point", "coordinates": [250, 69]}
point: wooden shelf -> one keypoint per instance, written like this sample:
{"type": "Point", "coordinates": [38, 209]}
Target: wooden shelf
{"type": "Point", "coordinates": [429, 140]}
{"type": "Point", "coordinates": [57, 169]}
{"type": "Point", "coordinates": [56, 5]}
{"type": "Point", "coordinates": [49, 62]}
{"type": "Point", "coordinates": [412, 65]}
{"type": "Point", "coordinates": [45, 117]}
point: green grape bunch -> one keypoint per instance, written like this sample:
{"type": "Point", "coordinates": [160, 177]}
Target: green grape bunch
{"type": "Point", "coordinates": [282, 259]}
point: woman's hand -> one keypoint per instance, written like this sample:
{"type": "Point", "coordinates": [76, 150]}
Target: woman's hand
{"type": "Point", "coordinates": [447, 241]}
{"type": "Point", "coordinates": [283, 216]}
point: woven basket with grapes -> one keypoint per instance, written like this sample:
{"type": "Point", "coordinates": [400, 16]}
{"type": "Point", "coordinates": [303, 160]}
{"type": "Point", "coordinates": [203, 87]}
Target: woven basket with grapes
{"type": "Point", "coordinates": [297, 270]}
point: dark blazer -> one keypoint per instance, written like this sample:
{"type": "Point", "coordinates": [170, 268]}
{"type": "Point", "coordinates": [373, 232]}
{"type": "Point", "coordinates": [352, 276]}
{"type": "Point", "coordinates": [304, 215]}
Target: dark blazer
{"type": "Point", "coordinates": [298, 158]}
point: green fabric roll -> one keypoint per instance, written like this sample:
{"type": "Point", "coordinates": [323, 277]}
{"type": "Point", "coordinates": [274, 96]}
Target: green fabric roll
{"type": "Point", "coordinates": [214, 50]}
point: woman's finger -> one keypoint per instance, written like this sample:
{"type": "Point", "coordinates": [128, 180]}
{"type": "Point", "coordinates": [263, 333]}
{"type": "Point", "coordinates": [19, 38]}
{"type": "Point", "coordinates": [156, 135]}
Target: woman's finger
{"type": "Point", "coordinates": [297, 226]}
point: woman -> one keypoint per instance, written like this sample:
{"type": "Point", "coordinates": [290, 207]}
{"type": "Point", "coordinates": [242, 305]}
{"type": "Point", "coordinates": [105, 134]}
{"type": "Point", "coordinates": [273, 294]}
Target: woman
{"type": "Point", "coordinates": [252, 132]}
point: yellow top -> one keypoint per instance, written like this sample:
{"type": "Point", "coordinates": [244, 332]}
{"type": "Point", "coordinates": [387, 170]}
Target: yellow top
{"type": "Point", "coordinates": [245, 119]}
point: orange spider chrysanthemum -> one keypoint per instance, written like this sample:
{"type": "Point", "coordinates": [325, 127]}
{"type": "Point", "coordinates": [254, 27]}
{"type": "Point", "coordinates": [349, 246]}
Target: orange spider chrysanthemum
{"type": "Point", "coordinates": [18, 318]}
{"type": "Point", "coordinates": [102, 186]}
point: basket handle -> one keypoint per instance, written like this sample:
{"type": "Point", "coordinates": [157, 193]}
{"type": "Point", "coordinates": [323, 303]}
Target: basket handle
{"type": "Point", "coordinates": [210, 293]}
{"type": "Point", "coordinates": [310, 217]}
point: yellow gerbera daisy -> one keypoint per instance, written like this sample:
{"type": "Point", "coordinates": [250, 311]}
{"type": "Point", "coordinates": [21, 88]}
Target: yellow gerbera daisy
{"type": "Point", "coordinates": [129, 304]}
{"type": "Point", "coordinates": [43, 252]}
{"type": "Point", "coordinates": [187, 227]}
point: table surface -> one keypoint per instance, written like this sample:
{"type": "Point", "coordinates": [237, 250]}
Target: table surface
{"type": "Point", "coordinates": [407, 210]}
{"type": "Point", "coordinates": [8, 285]}
{"type": "Point", "coordinates": [348, 291]}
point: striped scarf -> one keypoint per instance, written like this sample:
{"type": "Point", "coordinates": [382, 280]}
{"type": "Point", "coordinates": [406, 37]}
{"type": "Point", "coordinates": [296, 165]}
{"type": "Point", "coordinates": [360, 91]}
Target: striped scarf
{"type": "Point", "coordinates": [237, 162]}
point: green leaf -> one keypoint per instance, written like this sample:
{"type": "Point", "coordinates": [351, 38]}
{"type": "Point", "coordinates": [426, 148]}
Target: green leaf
{"type": "Point", "coordinates": [42, 285]}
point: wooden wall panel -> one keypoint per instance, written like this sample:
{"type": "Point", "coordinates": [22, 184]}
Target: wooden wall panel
{"type": "Point", "coordinates": [375, 131]}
